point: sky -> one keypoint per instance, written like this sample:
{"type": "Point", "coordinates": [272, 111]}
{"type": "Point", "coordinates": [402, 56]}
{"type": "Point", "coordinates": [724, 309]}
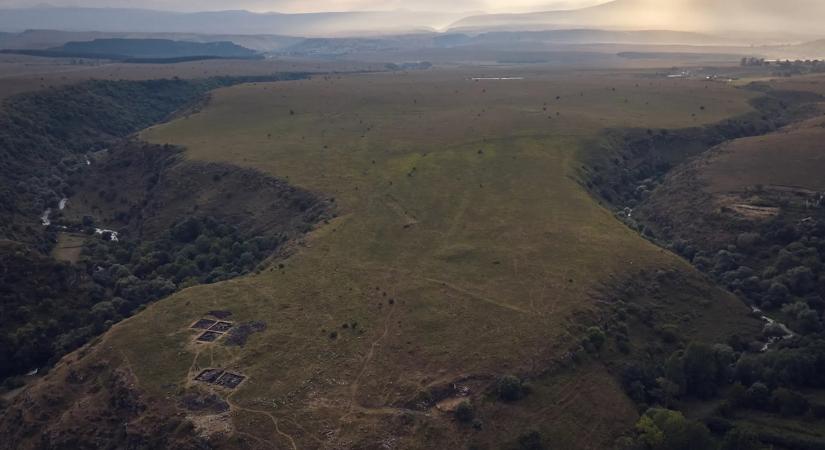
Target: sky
{"type": "Point", "coordinates": [293, 6]}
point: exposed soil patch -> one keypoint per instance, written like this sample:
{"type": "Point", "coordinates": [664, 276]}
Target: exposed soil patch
{"type": "Point", "coordinates": [209, 375]}
{"type": "Point", "coordinates": [214, 329]}
{"type": "Point", "coordinates": [238, 335]}
{"type": "Point", "coordinates": [219, 377]}
{"type": "Point", "coordinates": [230, 380]}
{"type": "Point", "coordinates": [203, 324]}
{"type": "Point", "coordinates": [753, 212]}
{"type": "Point", "coordinates": [200, 403]}
{"type": "Point", "coordinates": [221, 327]}
{"type": "Point", "coordinates": [209, 336]}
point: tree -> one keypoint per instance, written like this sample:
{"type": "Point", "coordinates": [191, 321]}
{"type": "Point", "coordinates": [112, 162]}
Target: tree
{"type": "Point", "coordinates": [703, 370]}
{"type": "Point", "coordinates": [737, 395]}
{"type": "Point", "coordinates": [741, 439]}
{"type": "Point", "coordinates": [803, 318]}
{"type": "Point", "coordinates": [801, 280]}
{"type": "Point", "coordinates": [758, 395]}
{"type": "Point", "coordinates": [788, 402]}
{"type": "Point", "coordinates": [664, 429]}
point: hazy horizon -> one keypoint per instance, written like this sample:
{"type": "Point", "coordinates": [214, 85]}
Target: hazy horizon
{"type": "Point", "coordinates": [754, 17]}
{"type": "Point", "coordinates": [301, 6]}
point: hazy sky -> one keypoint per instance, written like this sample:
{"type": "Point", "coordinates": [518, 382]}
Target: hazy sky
{"type": "Point", "coordinates": [321, 5]}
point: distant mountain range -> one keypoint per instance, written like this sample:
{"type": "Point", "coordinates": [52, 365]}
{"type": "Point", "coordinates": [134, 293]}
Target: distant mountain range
{"type": "Point", "coordinates": [155, 48]}
{"type": "Point", "coordinates": [729, 17]}
{"type": "Point", "coordinates": [715, 16]}
{"type": "Point", "coordinates": [143, 50]}
{"type": "Point", "coordinates": [220, 22]}
{"type": "Point", "coordinates": [47, 39]}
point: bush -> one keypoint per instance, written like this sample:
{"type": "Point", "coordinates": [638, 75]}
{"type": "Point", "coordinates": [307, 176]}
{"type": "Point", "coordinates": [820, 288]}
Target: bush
{"type": "Point", "coordinates": [758, 395]}
{"type": "Point", "coordinates": [465, 412]}
{"type": "Point", "coordinates": [596, 337]}
{"type": "Point", "coordinates": [530, 441]}
{"type": "Point", "coordinates": [510, 388]}
{"type": "Point", "coordinates": [741, 439]}
{"type": "Point", "coordinates": [789, 403]}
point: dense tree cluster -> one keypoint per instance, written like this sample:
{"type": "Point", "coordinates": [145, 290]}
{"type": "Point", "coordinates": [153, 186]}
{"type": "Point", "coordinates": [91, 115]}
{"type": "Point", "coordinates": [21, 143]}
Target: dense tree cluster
{"type": "Point", "coordinates": [46, 136]}
{"type": "Point", "coordinates": [195, 250]}
{"type": "Point", "coordinates": [49, 308]}
{"type": "Point", "coordinates": [637, 159]}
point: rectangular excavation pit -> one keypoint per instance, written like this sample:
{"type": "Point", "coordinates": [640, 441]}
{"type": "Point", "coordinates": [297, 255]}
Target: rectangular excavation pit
{"type": "Point", "coordinates": [209, 336]}
{"type": "Point", "coordinates": [221, 327]}
{"type": "Point", "coordinates": [221, 378]}
{"type": "Point", "coordinates": [203, 324]}
{"type": "Point", "coordinates": [229, 380]}
{"type": "Point", "coordinates": [209, 375]}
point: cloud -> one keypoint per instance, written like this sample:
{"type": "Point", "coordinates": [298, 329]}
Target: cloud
{"type": "Point", "coordinates": [294, 6]}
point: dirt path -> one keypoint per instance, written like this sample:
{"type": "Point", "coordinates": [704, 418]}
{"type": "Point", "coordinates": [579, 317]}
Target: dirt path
{"type": "Point", "coordinates": [477, 296]}
{"type": "Point", "coordinates": [274, 420]}
{"type": "Point", "coordinates": [352, 406]}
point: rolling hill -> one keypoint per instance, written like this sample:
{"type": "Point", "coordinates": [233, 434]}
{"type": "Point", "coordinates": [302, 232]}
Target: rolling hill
{"type": "Point", "coordinates": [465, 252]}
{"type": "Point", "coordinates": [801, 16]}
{"type": "Point", "coordinates": [155, 48]}
{"type": "Point", "coordinates": [218, 22]}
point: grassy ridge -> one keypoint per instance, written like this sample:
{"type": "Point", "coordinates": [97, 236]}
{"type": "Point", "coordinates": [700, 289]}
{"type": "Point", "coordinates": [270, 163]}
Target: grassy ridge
{"type": "Point", "coordinates": [459, 204]}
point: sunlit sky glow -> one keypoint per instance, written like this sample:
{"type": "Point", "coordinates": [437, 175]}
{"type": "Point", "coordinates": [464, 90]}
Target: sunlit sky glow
{"type": "Point", "coordinates": [493, 6]}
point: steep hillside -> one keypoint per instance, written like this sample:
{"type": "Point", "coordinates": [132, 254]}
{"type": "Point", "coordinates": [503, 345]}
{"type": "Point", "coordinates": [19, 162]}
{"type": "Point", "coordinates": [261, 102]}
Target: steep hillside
{"type": "Point", "coordinates": [136, 210]}
{"type": "Point", "coordinates": [745, 203]}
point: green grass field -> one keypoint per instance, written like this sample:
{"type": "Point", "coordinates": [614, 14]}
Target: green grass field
{"type": "Point", "coordinates": [464, 248]}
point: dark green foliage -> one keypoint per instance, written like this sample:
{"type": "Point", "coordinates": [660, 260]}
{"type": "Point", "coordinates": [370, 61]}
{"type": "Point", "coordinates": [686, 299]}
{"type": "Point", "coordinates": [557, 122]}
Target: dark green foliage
{"type": "Point", "coordinates": [798, 366]}
{"type": "Point", "coordinates": [45, 310]}
{"type": "Point", "coordinates": [595, 338]}
{"type": "Point", "coordinates": [48, 308]}
{"type": "Point", "coordinates": [741, 439]}
{"type": "Point", "coordinates": [788, 402]}
{"type": "Point", "coordinates": [465, 412]}
{"type": "Point", "coordinates": [510, 388]}
{"type": "Point", "coordinates": [530, 440]}
{"type": "Point", "coordinates": [663, 429]}
{"type": "Point", "coordinates": [758, 396]}
{"type": "Point", "coordinates": [45, 136]}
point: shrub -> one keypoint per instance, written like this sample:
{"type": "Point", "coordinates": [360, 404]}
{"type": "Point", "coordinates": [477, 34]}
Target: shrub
{"type": "Point", "coordinates": [530, 440]}
{"type": "Point", "coordinates": [465, 412]}
{"type": "Point", "coordinates": [789, 403]}
{"type": "Point", "coordinates": [758, 395]}
{"type": "Point", "coordinates": [596, 337]}
{"type": "Point", "coordinates": [510, 388]}
{"type": "Point", "coordinates": [741, 439]}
